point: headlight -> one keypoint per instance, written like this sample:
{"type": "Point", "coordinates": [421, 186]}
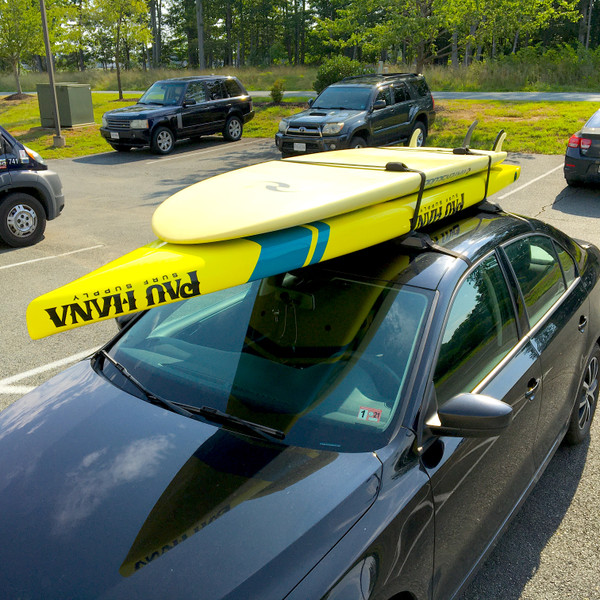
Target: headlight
{"type": "Point", "coordinates": [358, 583]}
{"type": "Point", "coordinates": [34, 155]}
{"type": "Point", "coordinates": [139, 124]}
{"type": "Point", "coordinates": [283, 125]}
{"type": "Point", "coordinates": [104, 121]}
{"type": "Point", "coordinates": [332, 128]}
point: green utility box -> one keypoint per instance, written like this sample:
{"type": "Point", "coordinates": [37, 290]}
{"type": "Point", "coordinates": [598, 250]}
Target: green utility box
{"type": "Point", "coordinates": [74, 104]}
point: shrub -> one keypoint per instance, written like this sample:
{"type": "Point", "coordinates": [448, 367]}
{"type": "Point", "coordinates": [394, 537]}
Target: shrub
{"type": "Point", "coordinates": [337, 68]}
{"type": "Point", "coordinates": [277, 91]}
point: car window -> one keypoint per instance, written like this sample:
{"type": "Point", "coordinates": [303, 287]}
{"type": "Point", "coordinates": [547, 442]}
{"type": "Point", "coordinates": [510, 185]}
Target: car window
{"type": "Point", "coordinates": [594, 120]}
{"type": "Point", "coordinates": [162, 92]}
{"type": "Point", "coordinates": [567, 263]}
{"type": "Point", "coordinates": [215, 90]}
{"type": "Point", "coordinates": [195, 91]}
{"type": "Point", "coordinates": [538, 272]}
{"type": "Point", "coordinates": [233, 88]}
{"type": "Point", "coordinates": [480, 331]}
{"type": "Point", "coordinates": [324, 360]}
{"type": "Point", "coordinates": [421, 86]}
{"type": "Point", "coordinates": [400, 93]}
{"type": "Point", "coordinates": [384, 94]}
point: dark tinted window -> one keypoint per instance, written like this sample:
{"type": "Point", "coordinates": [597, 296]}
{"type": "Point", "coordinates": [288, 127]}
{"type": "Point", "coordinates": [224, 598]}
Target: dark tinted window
{"type": "Point", "coordinates": [233, 88]}
{"type": "Point", "coordinates": [195, 91]}
{"type": "Point", "coordinates": [594, 120]}
{"type": "Point", "coordinates": [400, 93]}
{"type": "Point", "coordinates": [567, 263]}
{"type": "Point", "coordinates": [420, 85]}
{"type": "Point", "coordinates": [215, 90]}
{"type": "Point", "coordinates": [384, 94]}
{"type": "Point", "coordinates": [536, 266]}
{"type": "Point", "coordinates": [323, 360]}
{"type": "Point", "coordinates": [479, 333]}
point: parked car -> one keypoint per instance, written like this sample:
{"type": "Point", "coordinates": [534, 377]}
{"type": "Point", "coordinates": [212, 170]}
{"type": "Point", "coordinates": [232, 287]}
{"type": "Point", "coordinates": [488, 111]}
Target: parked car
{"type": "Point", "coordinates": [30, 193]}
{"type": "Point", "coordinates": [174, 109]}
{"type": "Point", "coordinates": [360, 428]}
{"type": "Point", "coordinates": [367, 110]}
{"type": "Point", "coordinates": [582, 157]}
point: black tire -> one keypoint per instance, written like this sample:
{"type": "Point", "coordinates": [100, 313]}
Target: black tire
{"type": "Point", "coordinates": [163, 140]}
{"type": "Point", "coordinates": [585, 402]}
{"type": "Point", "coordinates": [358, 142]}
{"type": "Point", "coordinates": [233, 129]}
{"type": "Point", "coordinates": [422, 135]}
{"type": "Point", "coordinates": [121, 147]}
{"type": "Point", "coordinates": [572, 181]}
{"type": "Point", "coordinates": [22, 220]}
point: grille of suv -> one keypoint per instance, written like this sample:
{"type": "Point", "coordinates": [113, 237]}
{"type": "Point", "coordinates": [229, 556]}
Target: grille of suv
{"type": "Point", "coordinates": [308, 130]}
{"type": "Point", "coordinates": [119, 124]}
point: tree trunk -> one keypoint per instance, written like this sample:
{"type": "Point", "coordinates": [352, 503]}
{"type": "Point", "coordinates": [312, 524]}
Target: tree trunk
{"type": "Point", "coordinates": [455, 50]}
{"type": "Point", "coordinates": [516, 42]}
{"type": "Point", "coordinates": [117, 63]}
{"type": "Point", "coordinates": [17, 74]}
{"type": "Point", "coordinates": [200, 28]}
{"type": "Point", "coordinates": [589, 24]}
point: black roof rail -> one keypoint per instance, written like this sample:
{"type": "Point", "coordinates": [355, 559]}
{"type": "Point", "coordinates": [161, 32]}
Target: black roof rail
{"type": "Point", "coordinates": [382, 76]}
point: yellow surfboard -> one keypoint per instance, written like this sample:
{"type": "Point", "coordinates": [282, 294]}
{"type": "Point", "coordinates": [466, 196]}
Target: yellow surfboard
{"type": "Point", "coordinates": [162, 272]}
{"type": "Point", "coordinates": [285, 193]}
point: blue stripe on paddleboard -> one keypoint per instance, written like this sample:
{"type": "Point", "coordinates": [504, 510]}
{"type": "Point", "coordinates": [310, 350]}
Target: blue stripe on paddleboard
{"type": "Point", "coordinates": [281, 251]}
{"type": "Point", "coordinates": [322, 239]}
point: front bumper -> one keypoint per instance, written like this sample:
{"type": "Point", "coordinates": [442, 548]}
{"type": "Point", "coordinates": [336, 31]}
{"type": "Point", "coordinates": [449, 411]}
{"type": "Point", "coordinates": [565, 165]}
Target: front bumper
{"type": "Point", "coordinates": [581, 168]}
{"type": "Point", "coordinates": [130, 137]}
{"type": "Point", "coordinates": [289, 144]}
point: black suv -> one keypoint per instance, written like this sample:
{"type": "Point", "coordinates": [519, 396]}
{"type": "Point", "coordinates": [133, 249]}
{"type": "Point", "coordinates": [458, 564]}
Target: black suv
{"type": "Point", "coordinates": [367, 110]}
{"type": "Point", "coordinates": [173, 109]}
{"type": "Point", "coordinates": [30, 193]}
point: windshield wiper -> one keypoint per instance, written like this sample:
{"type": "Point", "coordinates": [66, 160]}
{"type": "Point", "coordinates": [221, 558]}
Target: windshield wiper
{"type": "Point", "coordinates": [150, 396]}
{"type": "Point", "coordinates": [207, 412]}
{"type": "Point", "coordinates": [217, 416]}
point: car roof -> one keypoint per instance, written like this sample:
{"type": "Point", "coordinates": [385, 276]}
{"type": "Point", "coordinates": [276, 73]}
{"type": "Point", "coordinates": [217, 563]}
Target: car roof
{"type": "Point", "coordinates": [472, 234]}
{"type": "Point", "coordinates": [376, 79]}
{"type": "Point", "coordinates": [194, 78]}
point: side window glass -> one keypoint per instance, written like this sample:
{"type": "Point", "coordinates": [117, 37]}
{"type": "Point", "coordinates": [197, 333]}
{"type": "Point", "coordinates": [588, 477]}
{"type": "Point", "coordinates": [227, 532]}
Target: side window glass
{"type": "Point", "coordinates": [215, 91]}
{"type": "Point", "coordinates": [195, 91]}
{"type": "Point", "coordinates": [384, 94]}
{"type": "Point", "coordinates": [233, 88]}
{"type": "Point", "coordinates": [479, 333]}
{"type": "Point", "coordinates": [568, 266]}
{"type": "Point", "coordinates": [535, 264]}
{"type": "Point", "coordinates": [400, 93]}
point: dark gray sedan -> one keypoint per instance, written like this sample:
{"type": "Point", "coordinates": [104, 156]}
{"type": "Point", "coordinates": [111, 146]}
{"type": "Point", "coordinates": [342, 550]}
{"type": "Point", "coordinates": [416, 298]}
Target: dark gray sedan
{"type": "Point", "coordinates": [582, 157]}
{"type": "Point", "coordinates": [363, 428]}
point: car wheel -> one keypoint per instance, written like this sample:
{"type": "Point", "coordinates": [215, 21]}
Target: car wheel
{"type": "Point", "coordinates": [586, 401]}
{"type": "Point", "coordinates": [572, 181]}
{"type": "Point", "coordinates": [163, 140]}
{"type": "Point", "coordinates": [420, 131]}
{"type": "Point", "coordinates": [121, 147]}
{"type": "Point", "coordinates": [22, 220]}
{"type": "Point", "coordinates": [233, 129]}
{"type": "Point", "coordinates": [358, 142]}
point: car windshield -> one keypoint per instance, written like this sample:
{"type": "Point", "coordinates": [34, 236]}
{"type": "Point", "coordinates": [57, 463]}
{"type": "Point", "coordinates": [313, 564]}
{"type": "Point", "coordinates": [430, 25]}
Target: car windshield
{"type": "Point", "coordinates": [323, 360]}
{"type": "Point", "coordinates": [345, 97]}
{"type": "Point", "coordinates": [164, 93]}
{"type": "Point", "coordinates": [594, 121]}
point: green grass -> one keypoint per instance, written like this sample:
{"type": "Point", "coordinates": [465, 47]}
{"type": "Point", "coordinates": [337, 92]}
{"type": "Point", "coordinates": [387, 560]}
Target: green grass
{"type": "Point", "coordinates": [531, 127]}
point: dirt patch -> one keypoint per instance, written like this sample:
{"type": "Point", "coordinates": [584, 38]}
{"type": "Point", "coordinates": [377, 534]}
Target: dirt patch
{"type": "Point", "coordinates": [14, 97]}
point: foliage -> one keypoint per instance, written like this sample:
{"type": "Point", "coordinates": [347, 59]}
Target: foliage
{"type": "Point", "coordinates": [337, 68]}
{"type": "Point", "coordinates": [277, 90]}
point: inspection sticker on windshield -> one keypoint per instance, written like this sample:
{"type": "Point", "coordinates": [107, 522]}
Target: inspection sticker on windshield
{"type": "Point", "coordinates": [369, 414]}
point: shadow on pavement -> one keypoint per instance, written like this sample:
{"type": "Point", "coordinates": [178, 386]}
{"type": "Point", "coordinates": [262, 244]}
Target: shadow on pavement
{"type": "Point", "coordinates": [583, 201]}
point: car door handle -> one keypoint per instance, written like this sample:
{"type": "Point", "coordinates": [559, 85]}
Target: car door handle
{"type": "Point", "coordinates": [582, 323]}
{"type": "Point", "coordinates": [532, 388]}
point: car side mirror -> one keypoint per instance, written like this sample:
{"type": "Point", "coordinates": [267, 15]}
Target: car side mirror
{"type": "Point", "coordinates": [124, 320]}
{"type": "Point", "coordinates": [471, 415]}
{"type": "Point", "coordinates": [379, 104]}
{"type": "Point", "coordinates": [310, 102]}
{"type": "Point", "coordinates": [189, 102]}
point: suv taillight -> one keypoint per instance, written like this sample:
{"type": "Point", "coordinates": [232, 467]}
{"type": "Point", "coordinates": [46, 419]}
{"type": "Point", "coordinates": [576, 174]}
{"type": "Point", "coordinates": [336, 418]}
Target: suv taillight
{"type": "Point", "coordinates": [578, 142]}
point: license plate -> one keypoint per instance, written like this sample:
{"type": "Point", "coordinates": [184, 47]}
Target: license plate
{"type": "Point", "coordinates": [114, 135]}
{"type": "Point", "coordinates": [299, 147]}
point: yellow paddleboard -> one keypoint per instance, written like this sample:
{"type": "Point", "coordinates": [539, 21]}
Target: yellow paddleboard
{"type": "Point", "coordinates": [162, 272]}
{"type": "Point", "coordinates": [280, 194]}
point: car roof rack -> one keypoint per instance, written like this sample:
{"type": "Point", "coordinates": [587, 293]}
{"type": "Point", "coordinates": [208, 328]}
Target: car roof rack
{"type": "Point", "coordinates": [381, 76]}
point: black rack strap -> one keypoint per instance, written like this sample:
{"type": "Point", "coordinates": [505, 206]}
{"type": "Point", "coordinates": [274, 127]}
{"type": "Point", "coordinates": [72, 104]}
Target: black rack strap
{"type": "Point", "coordinates": [402, 168]}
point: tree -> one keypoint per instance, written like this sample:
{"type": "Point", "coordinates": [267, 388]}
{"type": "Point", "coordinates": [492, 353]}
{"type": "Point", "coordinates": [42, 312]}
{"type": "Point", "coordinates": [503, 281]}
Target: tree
{"type": "Point", "coordinates": [20, 33]}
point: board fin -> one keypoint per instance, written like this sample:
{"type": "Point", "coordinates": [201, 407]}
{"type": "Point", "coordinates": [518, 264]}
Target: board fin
{"type": "Point", "coordinates": [497, 147]}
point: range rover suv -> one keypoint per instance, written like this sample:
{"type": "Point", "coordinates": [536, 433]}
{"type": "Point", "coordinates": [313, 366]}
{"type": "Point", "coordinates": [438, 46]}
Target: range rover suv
{"type": "Point", "coordinates": [179, 108]}
{"type": "Point", "coordinates": [367, 110]}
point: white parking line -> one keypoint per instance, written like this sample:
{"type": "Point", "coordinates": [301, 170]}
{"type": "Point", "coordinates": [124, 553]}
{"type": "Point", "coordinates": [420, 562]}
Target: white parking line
{"type": "Point", "coordinates": [190, 154]}
{"type": "Point", "coordinates": [33, 260]}
{"type": "Point", "coordinates": [529, 183]}
{"type": "Point", "coordinates": [6, 386]}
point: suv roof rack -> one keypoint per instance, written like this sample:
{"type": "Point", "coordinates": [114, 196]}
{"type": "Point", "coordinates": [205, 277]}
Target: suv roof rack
{"type": "Point", "coordinates": [382, 76]}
